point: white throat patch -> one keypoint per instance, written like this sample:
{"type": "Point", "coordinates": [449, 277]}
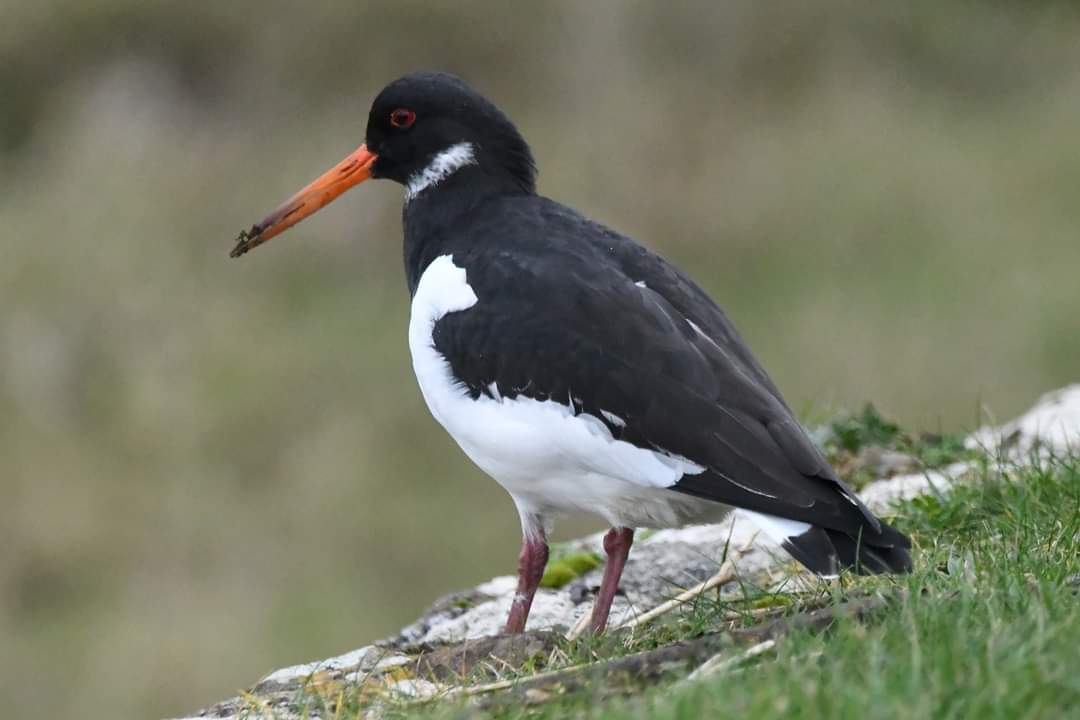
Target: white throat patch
{"type": "Point", "coordinates": [442, 166]}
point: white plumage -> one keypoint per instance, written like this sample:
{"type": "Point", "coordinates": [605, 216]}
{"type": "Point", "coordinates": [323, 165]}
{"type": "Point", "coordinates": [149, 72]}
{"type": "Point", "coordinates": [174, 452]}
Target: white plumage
{"type": "Point", "coordinates": [550, 460]}
{"type": "Point", "coordinates": [442, 166]}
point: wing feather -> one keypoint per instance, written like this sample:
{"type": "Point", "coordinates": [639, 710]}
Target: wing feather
{"type": "Point", "coordinates": [571, 318]}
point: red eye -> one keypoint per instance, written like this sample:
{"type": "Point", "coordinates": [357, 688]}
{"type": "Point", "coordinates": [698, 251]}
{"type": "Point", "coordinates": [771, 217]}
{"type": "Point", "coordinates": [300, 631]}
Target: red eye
{"type": "Point", "coordinates": [402, 118]}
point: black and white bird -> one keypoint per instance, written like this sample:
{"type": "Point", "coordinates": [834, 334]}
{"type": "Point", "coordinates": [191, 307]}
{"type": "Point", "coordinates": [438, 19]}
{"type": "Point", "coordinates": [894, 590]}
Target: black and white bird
{"type": "Point", "coordinates": [580, 370]}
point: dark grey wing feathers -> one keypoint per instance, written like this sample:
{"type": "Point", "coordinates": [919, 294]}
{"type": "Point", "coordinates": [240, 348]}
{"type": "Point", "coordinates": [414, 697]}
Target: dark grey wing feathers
{"type": "Point", "coordinates": [566, 316]}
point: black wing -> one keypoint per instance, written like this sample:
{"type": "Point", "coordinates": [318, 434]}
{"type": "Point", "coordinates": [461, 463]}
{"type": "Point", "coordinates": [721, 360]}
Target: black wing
{"type": "Point", "coordinates": [589, 317]}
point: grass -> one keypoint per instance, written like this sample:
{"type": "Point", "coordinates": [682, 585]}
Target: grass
{"type": "Point", "coordinates": [987, 626]}
{"type": "Point", "coordinates": [851, 440]}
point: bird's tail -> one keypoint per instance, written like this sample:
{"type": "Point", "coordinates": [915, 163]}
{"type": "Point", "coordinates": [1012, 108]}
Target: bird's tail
{"type": "Point", "coordinates": [826, 551]}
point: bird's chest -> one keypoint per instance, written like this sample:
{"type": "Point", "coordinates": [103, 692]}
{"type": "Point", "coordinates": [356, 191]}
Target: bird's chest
{"type": "Point", "coordinates": [540, 450]}
{"type": "Point", "coordinates": [507, 439]}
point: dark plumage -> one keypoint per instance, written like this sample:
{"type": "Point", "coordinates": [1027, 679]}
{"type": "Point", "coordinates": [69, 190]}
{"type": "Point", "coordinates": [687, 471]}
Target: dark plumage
{"type": "Point", "coordinates": [578, 368]}
{"type": "Point", "coordinates": [564, 317]}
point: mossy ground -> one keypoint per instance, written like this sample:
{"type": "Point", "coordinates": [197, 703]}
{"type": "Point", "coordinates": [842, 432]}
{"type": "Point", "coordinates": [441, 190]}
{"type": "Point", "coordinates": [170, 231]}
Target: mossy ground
{"type": "Point", "coordinates": [853, 440]}
{"type": "Point", "coordinates": [563, 567]}
{"type": "Point", "coordinates": [987, 626]}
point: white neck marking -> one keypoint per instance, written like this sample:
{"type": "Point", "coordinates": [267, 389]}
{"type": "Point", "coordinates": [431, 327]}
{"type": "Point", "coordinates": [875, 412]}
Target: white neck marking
{"type": "Point", "coordinates": [442, 166]}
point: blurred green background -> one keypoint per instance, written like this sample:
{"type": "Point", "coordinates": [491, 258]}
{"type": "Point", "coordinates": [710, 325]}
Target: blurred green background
{"type": "Point", "coordinates": [213, 468]}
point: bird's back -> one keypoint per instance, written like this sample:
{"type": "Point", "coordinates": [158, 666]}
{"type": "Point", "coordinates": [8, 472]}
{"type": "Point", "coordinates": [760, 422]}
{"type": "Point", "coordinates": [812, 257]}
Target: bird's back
{"type": "Point", "coordinates": [571, 312]}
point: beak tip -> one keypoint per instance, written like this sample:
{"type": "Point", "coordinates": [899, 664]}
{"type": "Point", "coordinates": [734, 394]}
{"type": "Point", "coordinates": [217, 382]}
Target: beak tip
{"type": "Point", "coordinates": [246, 240]}
{"type": "Point", "coordinates": [354, 169]}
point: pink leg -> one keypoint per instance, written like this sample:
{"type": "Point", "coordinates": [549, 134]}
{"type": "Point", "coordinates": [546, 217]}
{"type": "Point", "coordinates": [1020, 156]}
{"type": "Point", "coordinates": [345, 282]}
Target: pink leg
{"type": "Point", "coordinates": [617, 546]}
{"type": "Point", "coordinates": [531, 563]}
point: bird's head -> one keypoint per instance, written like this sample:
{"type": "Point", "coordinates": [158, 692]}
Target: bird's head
{"type": "Point", "coordinates": [422, 129]}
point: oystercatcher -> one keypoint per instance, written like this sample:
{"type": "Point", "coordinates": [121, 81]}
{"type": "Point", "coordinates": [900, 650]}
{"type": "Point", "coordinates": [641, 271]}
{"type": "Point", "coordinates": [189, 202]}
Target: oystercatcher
{"type": "Point", "coordinates": [577, 368]}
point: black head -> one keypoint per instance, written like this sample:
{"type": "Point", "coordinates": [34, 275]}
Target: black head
{"type": "Point", "coordinates": [419, 116]}
{"type": "Point", "coordinates": [423, 129]}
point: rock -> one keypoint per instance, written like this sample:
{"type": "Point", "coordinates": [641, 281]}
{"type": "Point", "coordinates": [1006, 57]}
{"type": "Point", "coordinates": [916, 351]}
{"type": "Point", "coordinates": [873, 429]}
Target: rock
{"type": "Point", "coordinates": [461, 631]}
{"type": "Point", "coordinates": [366, 659]}
{"type": "Point", "coordinates": [1051, 426]}
{"type": "Point", "coordinates": [466, 660]}
{"type": "Point", "coordinates": [883, 462]}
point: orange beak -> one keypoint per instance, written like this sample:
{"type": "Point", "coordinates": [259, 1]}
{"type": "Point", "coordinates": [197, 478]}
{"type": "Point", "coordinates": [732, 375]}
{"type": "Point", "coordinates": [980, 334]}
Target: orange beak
{"type": "Point", "coordinates": [353, 170]}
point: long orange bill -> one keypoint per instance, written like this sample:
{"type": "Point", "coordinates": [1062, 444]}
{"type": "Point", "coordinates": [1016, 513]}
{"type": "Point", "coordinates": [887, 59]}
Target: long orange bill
{"type": "Point", "coordinates": [353, 170]}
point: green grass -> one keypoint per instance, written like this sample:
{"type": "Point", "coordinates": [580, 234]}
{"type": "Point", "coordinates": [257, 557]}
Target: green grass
{"type": "Point", "coordinates": [987, 627]}
{"type": "Point", "coordinates": [854, 431]}
{"type": "Point", "coordinates": [848, 436]}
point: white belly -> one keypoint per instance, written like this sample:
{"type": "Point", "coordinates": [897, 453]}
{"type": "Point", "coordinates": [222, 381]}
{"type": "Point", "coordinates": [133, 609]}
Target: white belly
{"type": "Point", "coordinates": [549, 459]}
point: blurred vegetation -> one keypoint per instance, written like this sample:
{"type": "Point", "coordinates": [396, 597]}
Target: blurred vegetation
{"type": "Point", "coordinates": [213, 468]}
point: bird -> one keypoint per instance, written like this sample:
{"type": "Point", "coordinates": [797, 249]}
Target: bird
{"type": "Point", "coordinates": [580, 370]}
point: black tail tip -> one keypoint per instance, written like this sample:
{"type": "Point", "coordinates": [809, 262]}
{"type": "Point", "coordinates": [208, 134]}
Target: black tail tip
{"type": "Point", "coordinates": [826, 552]}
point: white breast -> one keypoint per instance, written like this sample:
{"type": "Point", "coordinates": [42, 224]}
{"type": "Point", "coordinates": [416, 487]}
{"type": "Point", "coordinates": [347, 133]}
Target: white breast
{"type": "Point", "coordinates": [549, 459]}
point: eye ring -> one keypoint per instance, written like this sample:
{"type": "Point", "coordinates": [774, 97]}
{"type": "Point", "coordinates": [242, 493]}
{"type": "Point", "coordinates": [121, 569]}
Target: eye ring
{"type": "Point", "coordinates": [402, 118]}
